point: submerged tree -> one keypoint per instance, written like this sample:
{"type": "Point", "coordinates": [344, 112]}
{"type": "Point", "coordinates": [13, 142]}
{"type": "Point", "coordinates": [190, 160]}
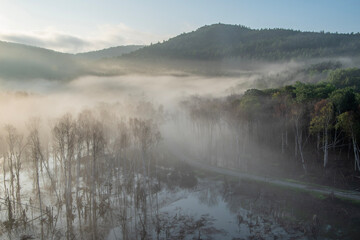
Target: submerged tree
{"type": "Point", "coordinates": [36, 156]}
{"type": "Point", "coordinates": [15, 150]}
{"type": "Point", "coordinates": [64, 134]}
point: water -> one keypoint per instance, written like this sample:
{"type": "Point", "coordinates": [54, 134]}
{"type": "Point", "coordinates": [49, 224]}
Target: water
{"type": "Point", "coordinates": [218, 216]}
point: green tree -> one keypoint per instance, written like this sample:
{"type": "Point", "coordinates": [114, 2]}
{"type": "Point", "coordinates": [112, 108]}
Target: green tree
{"type": "Point", "coordinates": [344, 100]}
{"type": "Point", "coordinates": [322, 121]}
{"type": "Point", "coordinates": [342, 78]}
{"type": "Point", "coordinates": [350, 123]}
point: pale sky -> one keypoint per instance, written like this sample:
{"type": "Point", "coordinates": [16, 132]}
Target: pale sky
{"type": "Point", "coordinates": [83, 25]}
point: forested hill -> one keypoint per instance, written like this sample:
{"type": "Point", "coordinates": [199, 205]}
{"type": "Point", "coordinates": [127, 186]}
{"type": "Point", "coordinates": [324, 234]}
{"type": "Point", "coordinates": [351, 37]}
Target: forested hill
{"type": "Point", "coordinates": [18, 61]}
{"type": "Point", "coordinates": [220, 41]}
{"type": "Point", "coordinates": [110, 52]}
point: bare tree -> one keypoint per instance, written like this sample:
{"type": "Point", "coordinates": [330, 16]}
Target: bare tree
{"type": "Point", "coordinates": [97, 147]}
{"type": "Point", "coordinates": [64, 134]}
{"type": "Point", "coordinates": [146, 135]}
{"type": "Point", "coordinates": [15, 151]}
{"type": "Point", "coordinates": [36, 157]}
{"type": "Point", "coordinates": [298, 113]}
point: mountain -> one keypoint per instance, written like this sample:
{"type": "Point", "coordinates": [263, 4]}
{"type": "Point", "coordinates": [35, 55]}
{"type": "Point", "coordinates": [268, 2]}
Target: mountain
{"type": "Point", "coordinates": [110, 52]}
{"type": "Point", "coordinates": [217, 49]}
{"type": "Point", "coordinates": [221, 41]}
{"type": "Point", "coordinates": [18, 61]}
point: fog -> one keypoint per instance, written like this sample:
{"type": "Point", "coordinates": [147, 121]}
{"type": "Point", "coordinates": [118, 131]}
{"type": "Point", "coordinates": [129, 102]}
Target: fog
{"type": "Point", "coordinates": [48, 100]}
{"type": "Point", "coordinates": [26, 98]}
{"type": "Point", "coordinates": [106, 149]}
{"type": "Point", "coordinates": [124, 93]}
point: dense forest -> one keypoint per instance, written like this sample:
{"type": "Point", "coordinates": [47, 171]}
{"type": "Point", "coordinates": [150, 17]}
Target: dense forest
{"type": "Point", "coordinates": [309, 126]}
{"type": "Point", "coordinates": [219, 41]}
{"type": "Point", "coordinates": [109, 52]}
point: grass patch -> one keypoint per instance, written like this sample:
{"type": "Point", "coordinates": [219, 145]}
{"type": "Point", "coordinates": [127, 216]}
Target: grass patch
{"type": "Point", "coordinates": [318, 195]}
{"type": "Point", "coordinates": [316, 185]}
{"type": "Point", "coordinates": [351, 201]}
{"type": "Point", "coordinates": [214, 175]}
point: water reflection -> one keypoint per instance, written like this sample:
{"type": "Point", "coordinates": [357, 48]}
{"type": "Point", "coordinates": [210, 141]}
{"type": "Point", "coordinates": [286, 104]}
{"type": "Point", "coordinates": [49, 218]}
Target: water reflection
{"type": "Point", "coordinates": [232, 216]}
{"type": "Point", "coordinates": [247, 210]}
{"type": "Point", "coordinates": [209, 196]}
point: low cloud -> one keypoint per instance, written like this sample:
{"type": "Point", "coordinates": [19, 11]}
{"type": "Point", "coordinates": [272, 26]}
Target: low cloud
{"type": "Point", "coordinates": [103, 36]}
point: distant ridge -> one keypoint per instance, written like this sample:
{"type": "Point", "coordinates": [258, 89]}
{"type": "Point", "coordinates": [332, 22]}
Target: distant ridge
{"type": "Point", "coordinates": [25, 62]}
{"type": "Point", "coordinates": [110, 52]}
{"type": "Point", "coordinates": [219, 41]}
{"type": "Point", "coordinates": [19, 61]}
{"type": "Point", "coordinates": [215, 50]}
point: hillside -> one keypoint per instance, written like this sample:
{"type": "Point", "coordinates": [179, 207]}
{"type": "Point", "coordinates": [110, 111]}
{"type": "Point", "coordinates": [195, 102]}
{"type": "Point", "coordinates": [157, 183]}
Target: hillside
{"type": "Point", "coordinates": [110, 52]}
{"type": "Point", "coordinates": [221, 41]}
{"type": "Point", "coordinates": [216, 50]}
{"type": "Point", "coordinates": [19, 61]}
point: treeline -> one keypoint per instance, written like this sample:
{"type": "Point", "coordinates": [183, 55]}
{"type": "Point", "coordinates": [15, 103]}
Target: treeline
{"type": "Point", "coordinates": [220, 41]}
{"type": "Point", "coordinates": [313, 73]}
{"type": "Point", "coordinates": [317, 125]}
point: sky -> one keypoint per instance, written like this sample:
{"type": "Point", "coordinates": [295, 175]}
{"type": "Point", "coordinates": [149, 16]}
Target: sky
{"type": "Point", "coordinates": [83, 25]}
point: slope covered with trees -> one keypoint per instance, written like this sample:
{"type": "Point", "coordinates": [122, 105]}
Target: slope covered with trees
{"type": "Point", "coordinates": [309, 128]}
{"type": "Point", "coordinates": [19, 61]}
{"type": "Point", "coordinates": [199, 52]}
{"type": "Point", "coordinates": [110, 52]}
{"type": "Point", "coordinates": [220, 41]}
